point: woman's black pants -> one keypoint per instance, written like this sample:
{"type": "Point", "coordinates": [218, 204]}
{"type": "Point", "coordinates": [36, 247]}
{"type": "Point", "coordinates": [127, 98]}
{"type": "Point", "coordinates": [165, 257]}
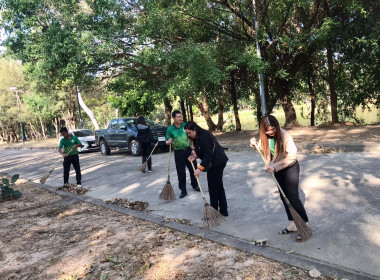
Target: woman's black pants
{"type": "Point", "coordinates": [216, 190]}
{"type": "Point", "coordinates": [146, 149]}
{"type": "Point", "coordinates": [288, 179]}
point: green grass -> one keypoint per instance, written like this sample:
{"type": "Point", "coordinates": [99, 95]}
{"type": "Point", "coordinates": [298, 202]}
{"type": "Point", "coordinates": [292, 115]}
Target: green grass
{"type": "Point", "coordinates": [248, 118]}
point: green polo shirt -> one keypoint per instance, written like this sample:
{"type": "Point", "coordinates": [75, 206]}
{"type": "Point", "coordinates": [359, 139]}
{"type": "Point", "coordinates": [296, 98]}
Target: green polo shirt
{"type": "Point", "coordinates": [179, 136]}
{"type": "Point", "coordinates": [68, 143]}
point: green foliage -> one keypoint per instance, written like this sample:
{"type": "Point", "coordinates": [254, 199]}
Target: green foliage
{"type": "Point", "coordinates": [6, 187]}
{"type": "Point", "coordinates": [132, 54]}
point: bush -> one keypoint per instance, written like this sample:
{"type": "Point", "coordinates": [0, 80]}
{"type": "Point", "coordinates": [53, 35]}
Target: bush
{"type": "Point", "coordinates": [7, 190]}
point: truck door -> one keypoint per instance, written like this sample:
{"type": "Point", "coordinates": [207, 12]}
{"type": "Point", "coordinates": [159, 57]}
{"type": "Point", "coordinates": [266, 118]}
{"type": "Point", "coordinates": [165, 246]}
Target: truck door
{"type": "Point", "coordinates": [122, 133]}
{"type": "Point", "coordinates": [112, 133]}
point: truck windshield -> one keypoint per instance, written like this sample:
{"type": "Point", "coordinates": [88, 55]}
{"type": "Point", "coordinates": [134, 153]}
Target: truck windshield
{"type": "Point", "coordinates": [148, 122]}
{"type": "Point", "coordinates": [83, 133]}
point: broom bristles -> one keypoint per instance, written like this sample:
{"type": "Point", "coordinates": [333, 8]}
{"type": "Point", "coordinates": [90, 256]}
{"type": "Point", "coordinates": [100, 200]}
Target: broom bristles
{"type": "Point", "coordinates": [211, 217]}
{"type": "Point", "coordinates": [302, 228]}
{"type": "Point", "coordinates": [143, 167]}
{"type": "Point", "coordinates": [167, 192]}
{"type": "Point", "coordinates": [43, 179]}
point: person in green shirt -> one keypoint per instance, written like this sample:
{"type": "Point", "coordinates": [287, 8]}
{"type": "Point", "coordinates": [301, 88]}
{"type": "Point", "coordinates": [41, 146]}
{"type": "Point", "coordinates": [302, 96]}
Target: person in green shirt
{"type": "Point", "coordinates": [70, 143]}
{"type": "Point", "coordinates": [177, 136]}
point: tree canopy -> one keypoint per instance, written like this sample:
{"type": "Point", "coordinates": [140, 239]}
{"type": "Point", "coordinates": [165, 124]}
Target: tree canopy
{"type": "Point", "coordinates": [135, 55]}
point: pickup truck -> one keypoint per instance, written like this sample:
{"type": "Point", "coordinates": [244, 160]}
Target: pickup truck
{"type": "Point", "coordinates": [122, 133]}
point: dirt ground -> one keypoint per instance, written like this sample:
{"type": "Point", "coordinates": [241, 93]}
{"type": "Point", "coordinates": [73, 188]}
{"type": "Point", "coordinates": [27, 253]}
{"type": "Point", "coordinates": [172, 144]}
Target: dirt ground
{"type": "Point", "coordinates": [46, 236]}
{"type": "Point", "coordinates": [342, 133]}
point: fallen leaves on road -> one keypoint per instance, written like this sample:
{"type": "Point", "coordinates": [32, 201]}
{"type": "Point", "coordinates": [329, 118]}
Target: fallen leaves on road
{"type": "Point", "coordinates": [73, 189]}
{"type": "Point", "coordinates": [127, 203]}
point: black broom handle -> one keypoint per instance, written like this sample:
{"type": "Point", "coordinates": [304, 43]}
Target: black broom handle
{"type": "Point", "coordinates": [274, 178]}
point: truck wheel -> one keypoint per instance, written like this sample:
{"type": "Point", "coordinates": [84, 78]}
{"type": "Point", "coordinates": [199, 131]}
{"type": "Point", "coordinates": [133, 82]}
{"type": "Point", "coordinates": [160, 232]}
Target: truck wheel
{"type": "Point", "coordinates": [134, 146]}
{"type": "Point", "coordinates": [104, 149]}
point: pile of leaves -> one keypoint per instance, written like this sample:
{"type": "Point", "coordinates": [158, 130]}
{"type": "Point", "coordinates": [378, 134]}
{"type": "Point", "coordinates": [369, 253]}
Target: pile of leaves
{"type": "Point", "coordinates": [127, 203]}
{"type": "Point", "coordinates": [73, 189]}
{"type": "Point", "coordinates": [325, 150]}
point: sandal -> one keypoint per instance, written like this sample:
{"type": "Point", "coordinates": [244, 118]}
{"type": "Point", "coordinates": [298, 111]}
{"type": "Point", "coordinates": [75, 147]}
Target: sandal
{"type": "Point", "coordinates": [285, 231]}
{"type": "Point", "coordinates": [299, 238]}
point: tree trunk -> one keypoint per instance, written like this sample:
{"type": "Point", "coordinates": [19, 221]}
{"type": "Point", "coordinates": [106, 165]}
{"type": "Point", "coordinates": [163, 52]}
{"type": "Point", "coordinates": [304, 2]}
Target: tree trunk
{"type": "Point", "coordinates": [56, 123]}
{"type": "Point", "coordinates": [183, 109]}
{"type": "Point", "coordinates": [34, 132]}
{"type": "Point", "coordinates": [333, 96]}
{"type": "Point", "coordinates": [190, 110]}
{"type": "Point", "coordinates": [313, 93]}
{"type": "Point", "coordinates": [221, 105]}
{"type": "Point", "coordinates": [168, 111]}
{"type": "Point", "coordinates": [234, 99]}
{"type": "Point", "coordinates": [87, 110]}
{"type": "Point", "coordinates": [204, 108]}
{"type": "Point", "coordinates": [283, 88]}
{"type": "Point", "coordinates": [42, 128]}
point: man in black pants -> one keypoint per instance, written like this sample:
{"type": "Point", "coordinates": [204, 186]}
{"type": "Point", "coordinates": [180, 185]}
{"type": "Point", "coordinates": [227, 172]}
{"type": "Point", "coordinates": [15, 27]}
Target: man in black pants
{"type": "Point", "coordinates": [70, 143]}
{"type": "Point", "coordinates": [176, 135]}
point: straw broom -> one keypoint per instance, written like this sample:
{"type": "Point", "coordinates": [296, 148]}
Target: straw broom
{"type": "Point", "coordinates": [44, 178]}
{"type": "Point", "coordinates": [143, 166]}
{"type": "Point", "coordinates": [167, 192]}
{"type": "Point", "coordinates": [211, 217]}
{"type": "Point", "coordinates": [303, 229]}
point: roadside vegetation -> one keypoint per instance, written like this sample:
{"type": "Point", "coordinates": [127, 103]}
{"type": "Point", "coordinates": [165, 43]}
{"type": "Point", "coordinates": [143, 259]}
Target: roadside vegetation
{"type": "Point", "coordinates": [86, 62]}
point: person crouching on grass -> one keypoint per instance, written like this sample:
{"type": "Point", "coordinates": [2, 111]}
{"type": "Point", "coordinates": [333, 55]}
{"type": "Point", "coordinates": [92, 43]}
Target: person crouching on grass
{"type": "Point", "coordinates": [280, 153]}
{"type": "Point", "coordinates": [70, 143]}
{"type": "Point", "coordinates": [205, 146]}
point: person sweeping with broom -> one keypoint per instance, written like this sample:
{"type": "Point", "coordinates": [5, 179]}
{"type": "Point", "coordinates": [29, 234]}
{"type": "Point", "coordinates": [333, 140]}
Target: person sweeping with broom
{"type": "Point", "coordinates": [205, 146]}
{"type": "Point", "coordinates": [177, 137]}
{"type": "Point", "coordinates": [145, 138]}
{"type": "Point", "coordinates": [70, 143]}
{"type": "Point", "coordinates": [279, 153]}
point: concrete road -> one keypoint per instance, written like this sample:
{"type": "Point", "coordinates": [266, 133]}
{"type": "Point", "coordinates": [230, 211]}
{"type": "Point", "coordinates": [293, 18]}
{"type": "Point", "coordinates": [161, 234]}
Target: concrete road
{"type": "Point", "coordinates": [341, 193]}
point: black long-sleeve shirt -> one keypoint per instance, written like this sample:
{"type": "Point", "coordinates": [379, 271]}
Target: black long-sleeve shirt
{"type": "Point", "coordinates": [204, 148]}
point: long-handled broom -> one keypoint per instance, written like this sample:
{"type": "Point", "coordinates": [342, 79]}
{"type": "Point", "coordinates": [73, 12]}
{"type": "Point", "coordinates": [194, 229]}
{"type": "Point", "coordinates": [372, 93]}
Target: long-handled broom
{"type": "Point", "coordinates": [44, 178]}
{"type": "Point", "coordinates": [211, 217]}
{"type": "Point", "coordinates": [143, 166]}
{"type": "Point", "coordinates": [303, 229]}
{"type": "Point", "coordinates": [167, 192]}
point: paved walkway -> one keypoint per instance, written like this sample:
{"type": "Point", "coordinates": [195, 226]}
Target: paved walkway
{"type": "Point", "coordinates": [341, 193]}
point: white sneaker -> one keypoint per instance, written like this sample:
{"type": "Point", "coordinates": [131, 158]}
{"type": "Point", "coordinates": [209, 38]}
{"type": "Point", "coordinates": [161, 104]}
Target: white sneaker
{"type": "Point", "coordinates": [150, 171]}
{"type": "Point", "coordinates": [79, 186]}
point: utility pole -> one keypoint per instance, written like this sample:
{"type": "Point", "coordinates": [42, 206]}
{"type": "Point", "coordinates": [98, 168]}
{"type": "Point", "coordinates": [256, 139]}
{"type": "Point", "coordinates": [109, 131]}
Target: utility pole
{"type": "Point", "coordinates": [19, 112]}
{"type": "Point", "coordinates": [261, 78]}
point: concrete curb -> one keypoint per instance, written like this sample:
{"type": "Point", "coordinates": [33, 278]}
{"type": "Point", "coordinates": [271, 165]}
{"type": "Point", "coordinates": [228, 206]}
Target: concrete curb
{"type": "Point", "coordinates": [300, 261]}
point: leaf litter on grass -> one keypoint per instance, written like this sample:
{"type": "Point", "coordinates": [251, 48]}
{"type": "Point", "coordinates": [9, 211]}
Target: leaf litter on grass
{"type": "Point", "coordinates": [111, 245]}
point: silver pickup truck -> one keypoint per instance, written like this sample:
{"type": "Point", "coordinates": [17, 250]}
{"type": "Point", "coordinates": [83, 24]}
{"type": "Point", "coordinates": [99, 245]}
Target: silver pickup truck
{"type": "Point", "coordinates": [122, 133]}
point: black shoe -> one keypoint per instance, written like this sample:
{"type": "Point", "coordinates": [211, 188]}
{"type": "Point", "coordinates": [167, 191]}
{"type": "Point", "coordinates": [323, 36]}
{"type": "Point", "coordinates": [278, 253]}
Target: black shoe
{"type": "Point", "coordinates": [182, 195]}
{"type": "Point", "coordinates": [225, 214]}
{"type": "Point", "coordinates": [196, 189]}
